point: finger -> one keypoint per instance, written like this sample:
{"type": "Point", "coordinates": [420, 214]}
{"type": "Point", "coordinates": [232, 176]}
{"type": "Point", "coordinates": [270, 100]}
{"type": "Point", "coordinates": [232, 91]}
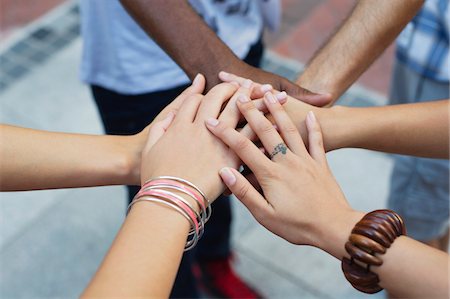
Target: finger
{"type": "Point", "coordinates": [258, 91]}
{"type": "Point", "coordinates": [158, 129]}
{"type": "Point", "coordinates": [230, 115]}
{"type": "Point", "coordinates": [189, 108]}
{"type": "Point", "coordinates": [305, 95]}
{"type": "Point", "coordinates": [243, 147]}
{"type": "Point", "coordinates": [197, 87]}
{"type": "Point", "coordinates": [248, 132]}
{"type": "Point", "coordinates": [261, 106]}
{"type": "Point", "coordinates": [264, 129]}
{"type": "Point", "coordinates": [315, 139]}
{"type": "Point", "coordinates": [244, 191]}
{"type": "Point", "coordinates": [213, 101]}
{"type": "Point", "coordinates": [285, 126]}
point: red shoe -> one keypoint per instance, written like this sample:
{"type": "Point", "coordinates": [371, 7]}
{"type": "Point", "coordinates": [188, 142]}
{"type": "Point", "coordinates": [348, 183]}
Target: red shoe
{"type": "Point", "coordinates": [217, 278]}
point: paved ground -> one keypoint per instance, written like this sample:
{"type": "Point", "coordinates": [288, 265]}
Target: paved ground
{"type": "Point", "coordinates": [51, 242]}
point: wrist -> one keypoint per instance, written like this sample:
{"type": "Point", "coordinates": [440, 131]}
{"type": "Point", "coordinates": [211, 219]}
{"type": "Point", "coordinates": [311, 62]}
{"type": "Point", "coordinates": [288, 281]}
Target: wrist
{"type": "Point", "coordinates": [334, 124]}
{"type": "Point", "coordinates": [129, 158]}
{"type": "Point", "coordinates": [335, 231]}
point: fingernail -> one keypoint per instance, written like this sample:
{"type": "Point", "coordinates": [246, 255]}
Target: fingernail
{"type": "Point", "coordinates": [196, 80]}
{"type": "Point", "coordinates": [312, 117]}
{"type": "Point", "coordinates": [281, 96]}
{"type": "Point", "coordinates": [227, 176]}
{"type": "Point", "coordinates": [243, 98]}
{"type": "Point", "coordinates": [270, 98]}
{"type": "Point", "coordinates": [212, 122]}
{"type": "Point", "coordinates": [266, 87]}
{"type": "Point", "coordinates": [247, 83]}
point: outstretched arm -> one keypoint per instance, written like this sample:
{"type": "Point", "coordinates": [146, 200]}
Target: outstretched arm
{"type": "Point", "coordinates": [318, 214]}
{"type": "Point", "coordinates": [364, 35]}
{"type": "Point", "coordinates": [188, 40]}
{"type": "Point", "coordinates": [33, 159]}
{"type": "Point", "coordinates": [420, 129]}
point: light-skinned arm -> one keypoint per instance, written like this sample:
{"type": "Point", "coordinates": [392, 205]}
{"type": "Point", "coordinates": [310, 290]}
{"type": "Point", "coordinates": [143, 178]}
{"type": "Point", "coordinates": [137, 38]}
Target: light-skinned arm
{"type": "Point", "coordinates": [420, 129]}
{"type": "Point", "coordinates": [154, 234]}
{"type": "Point", "coordinates": [371, 27]}
{"type": "Point", "coordinates": [318, 215]}
{"type": "Point", "coordinates": [187, 39]}
{"type": "Point", "coordinates": [32, 159]}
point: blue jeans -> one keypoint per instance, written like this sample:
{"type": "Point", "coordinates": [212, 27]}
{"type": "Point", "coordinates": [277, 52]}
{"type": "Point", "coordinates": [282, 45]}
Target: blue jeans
{"type": "Point", "coordinates": [129, 114]}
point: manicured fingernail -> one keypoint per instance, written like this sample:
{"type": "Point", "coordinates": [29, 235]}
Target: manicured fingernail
{"type": "Point", "coordinates": [196, 80]}
{"type": "Point", "coordinates": [312, 117]}
{"type": "Point", "coordinates": [281, 96]}
{"type": "Point", "coordinates": [243, 98]}
{"type": "Point", "coordinates": [270, 98]}
{"type": "Point", "coordinates": [227, 176]}
{"type": "Point", "coordinates": [212, 122]}
{"type": "Point", "coordinates": [247, 83]}
{"type": "Point", "coordinates": [266, 87]}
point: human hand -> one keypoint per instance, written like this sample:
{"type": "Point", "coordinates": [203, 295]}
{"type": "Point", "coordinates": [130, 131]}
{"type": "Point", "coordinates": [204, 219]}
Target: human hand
{"type": "Point", "coordinates": [270, 80]}
{"type": "Point", "coordinates": [188, 150]}
{"type": "Point", "coordinates": [301, 196]}
{"type": "Point", "coordinates": [135, 143]}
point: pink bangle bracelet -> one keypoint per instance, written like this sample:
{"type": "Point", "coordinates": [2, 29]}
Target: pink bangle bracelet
{"type": "Point", "coordinates": [189, 243]}
{"type": "Point", "coordinates": [177, 200]}
{"type": "Point", "coordinates": [186, 183]}
{"type": "Point", "coordinates": [193, 194]}
{"type": "Point", "coordinates": [200, 216]}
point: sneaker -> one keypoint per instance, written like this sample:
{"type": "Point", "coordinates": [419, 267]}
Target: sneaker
{"type": "Point", "coordinates": [217, 278]}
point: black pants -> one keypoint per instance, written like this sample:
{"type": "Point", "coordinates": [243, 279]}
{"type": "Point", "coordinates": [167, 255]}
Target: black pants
{"type": "Point", "coordinates": [129, 114]}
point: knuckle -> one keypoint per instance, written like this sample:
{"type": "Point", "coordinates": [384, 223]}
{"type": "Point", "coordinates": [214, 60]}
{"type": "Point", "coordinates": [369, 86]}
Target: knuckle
{"type": "Point", "coordinates": [264, 128]}
{"type": "Point", "coordinates": [289, 129]}
{"type": "Point", "coordinates": [241, 143]}
{"type": "Point", "coordinates": [242, 191]}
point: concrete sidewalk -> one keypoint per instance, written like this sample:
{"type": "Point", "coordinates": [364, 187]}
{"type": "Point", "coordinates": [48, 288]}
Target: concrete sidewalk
{"type": "Point", "coordinates": [51, 242]}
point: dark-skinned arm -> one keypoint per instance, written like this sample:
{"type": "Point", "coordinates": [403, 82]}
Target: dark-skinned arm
{"type": "Point", "coordinates": [186, 38]}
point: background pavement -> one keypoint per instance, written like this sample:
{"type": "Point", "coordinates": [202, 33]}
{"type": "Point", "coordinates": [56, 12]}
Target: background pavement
{"type": "Point", "coordinates": [51, 242]}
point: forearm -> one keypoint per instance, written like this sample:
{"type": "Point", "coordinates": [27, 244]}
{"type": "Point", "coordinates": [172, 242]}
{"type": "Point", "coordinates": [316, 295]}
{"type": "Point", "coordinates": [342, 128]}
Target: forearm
{"type": "Point", "coordinates": [32, 159]}
{"type": "Point", "coordinates": [145, 255]}
{"type": "Point", "coordinates": [183, 35]}
{"type": "Point", "coordinates": [420, 129]}
{"type": "Point", "coordinates": [410, 269]}
{"type": "Point", "coordinates": [367, 32]}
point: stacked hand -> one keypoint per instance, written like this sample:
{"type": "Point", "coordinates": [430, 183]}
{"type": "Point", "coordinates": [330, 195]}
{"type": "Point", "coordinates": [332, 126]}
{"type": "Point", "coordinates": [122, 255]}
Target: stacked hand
{"type": "Point", "coordinates": [182, 146]}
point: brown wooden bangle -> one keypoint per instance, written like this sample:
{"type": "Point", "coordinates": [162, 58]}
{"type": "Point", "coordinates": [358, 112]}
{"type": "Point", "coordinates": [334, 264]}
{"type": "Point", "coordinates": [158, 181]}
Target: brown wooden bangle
{"type": "Point", "coordinates": [371, 236]}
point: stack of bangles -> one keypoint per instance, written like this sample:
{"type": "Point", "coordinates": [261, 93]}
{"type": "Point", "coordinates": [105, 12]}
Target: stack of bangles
{"type": "Point", "coordinates": [160, 189]}
{"type": "Point", "coordinates": [369, 239]}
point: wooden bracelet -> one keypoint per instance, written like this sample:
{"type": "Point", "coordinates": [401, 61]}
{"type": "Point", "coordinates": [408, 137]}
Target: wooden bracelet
{"type": "Point", "coordinates": [370, 237]}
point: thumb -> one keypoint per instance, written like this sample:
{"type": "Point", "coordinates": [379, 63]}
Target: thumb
{"type": "Point", "coordinates": [305, 95]}
{"type": "Point", "coordinates": [158, 129]}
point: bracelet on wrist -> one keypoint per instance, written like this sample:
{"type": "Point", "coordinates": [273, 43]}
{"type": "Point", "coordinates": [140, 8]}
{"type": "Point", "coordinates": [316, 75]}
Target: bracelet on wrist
{"type": "Point", "coordinates": [369, 239]}
{"type": "Point", "coordinates": [160, 190]}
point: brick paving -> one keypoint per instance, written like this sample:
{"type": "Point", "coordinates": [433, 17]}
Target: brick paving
{"type": "Point", "coordinates": [16, 13]}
